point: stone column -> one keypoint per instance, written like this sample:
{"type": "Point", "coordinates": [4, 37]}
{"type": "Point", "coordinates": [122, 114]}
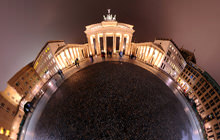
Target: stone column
{"type": "Point", "coordinates": [147, 53]}
{"type": "Point", "coordinates": [104, 43]}
{"type": "Point", "coordinates": [132, 49]}
{"type": "Point", "coordinates": [144, 51]}
{"type": "Point", "coordinates": [151, 56]}
{"type": "Point", "coordinates": [63, 61]}
{"type": "Point", "coordinates": [114, 43]}
{"type": "Point", "coordinates": [67, 59]}
{"type": "Point", "coordinates": [158, 58]}
{"type": "Point", "coordinates": [58, 62]}
{"type": "Point", "coordinates": [138, 52]}
{"type": "Point", "coordinates": [155, 58]}
{"type": "Point", "coordinates": [161, 58]}
{"type": "Point", "coordinates": [80, 52]}
{"type": "Point", "coordinates": [77, 53]}
{"type": "Point", "coordinates": [91, 44]}
{"type": "Point", "coordinates": [74, 54]}
{"type": "Point", "coordinates": [71, 54]}
{"type": "Point", "coordinates": [98, 50]}
{"type": "Point", "coordinates": [128, 49]}
{"type": "Point", "coordinates": [148, 56]}
{"type": "Point", "coordinates": [121, 43]}
{"type": "Point", "coordinates": [126, 45]}
{"type": "Point", "coordinates": [72, 59]}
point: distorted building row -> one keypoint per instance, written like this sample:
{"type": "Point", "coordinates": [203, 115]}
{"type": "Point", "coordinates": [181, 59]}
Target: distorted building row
{"type": "Point", "coordinates": [173, 62]}
{"type": "Point", "coordinates": [205, 92]}
{"type": "Point", "coordinates": [115, 37]}
{"type": "Point", "coordinates": [27, 82]}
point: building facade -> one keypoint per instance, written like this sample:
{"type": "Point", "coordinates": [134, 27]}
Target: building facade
{"type": "Point", "coordinates": [205, 92]}
{"type": "Point", "coordinates": [45, 64]}
{"type": "Point", "coordinates": [173, 62]}
{"type": "Point", "coordinates": [9, 120]}
{"type": "Point", "coordinates": [11, 95]}
{"type": "Point", "coordinates": [109, 36]}
{"type": "Point", "coordinates": [27, 83]}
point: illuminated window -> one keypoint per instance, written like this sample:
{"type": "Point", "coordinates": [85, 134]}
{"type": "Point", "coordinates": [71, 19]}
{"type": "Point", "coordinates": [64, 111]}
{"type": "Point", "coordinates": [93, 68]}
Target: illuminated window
{"type": "Point", "coordinates": [2, 104]}
{"type": "Point", "coordinates": [1, 130]}
{"type": "Point", "coordinates": [7, 133]}
{"type": "Point", "coordinates": [35, 65]}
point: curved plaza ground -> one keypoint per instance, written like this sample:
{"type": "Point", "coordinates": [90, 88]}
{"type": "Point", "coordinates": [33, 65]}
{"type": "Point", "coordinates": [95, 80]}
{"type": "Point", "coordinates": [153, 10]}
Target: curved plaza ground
{"type": "Point", "coordinates": [113, 100]}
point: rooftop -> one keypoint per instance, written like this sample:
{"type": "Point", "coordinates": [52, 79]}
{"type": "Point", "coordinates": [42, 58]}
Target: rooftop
{"type": "Point", "coordinates": [188, 55]}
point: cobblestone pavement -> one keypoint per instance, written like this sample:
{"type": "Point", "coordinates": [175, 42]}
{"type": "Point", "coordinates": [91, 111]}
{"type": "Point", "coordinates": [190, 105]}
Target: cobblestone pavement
{"type": "Point", "coordinates": [113, 101]}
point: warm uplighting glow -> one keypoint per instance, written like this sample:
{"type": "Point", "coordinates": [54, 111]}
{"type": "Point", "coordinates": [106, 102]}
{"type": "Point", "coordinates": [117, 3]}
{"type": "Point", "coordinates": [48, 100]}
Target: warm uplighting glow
{"type": "Point", "coordinates": [67, 54]}
{"type": "Point", "coordinates": [63, 57]}
{"type": "Point", "coordinates": [146, 54]}
{"type": "Point", "coordinates": [61, 62]}
{"type": "Point", "coordinates": [91, 39]}
{"type": "Point", "coordinates": [74, 50]}
{"type": "Point", "coordinates": [1, 130]}
{"type": "Point", "coordinates": [158, 60]}
{"type": "Point", "coordinates": [155, 56]}
{"type": "Point", "coordinates": [7, 133]}
{"type": "Point", "coordinates": [58, 63]}
{"type": "Point", "coordinates": [71, 53]}
{"type": "Point", "coordinates": [77, 49]}
{"type": "Point", "coordinates": [151, 53]}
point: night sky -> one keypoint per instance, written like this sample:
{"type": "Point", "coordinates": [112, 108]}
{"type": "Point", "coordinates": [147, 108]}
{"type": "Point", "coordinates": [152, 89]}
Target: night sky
{"type": "Point", "coordinates": [26, 25]}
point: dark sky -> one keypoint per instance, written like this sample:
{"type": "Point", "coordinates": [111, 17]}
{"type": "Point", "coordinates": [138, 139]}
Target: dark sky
{"type": "Point", "coordinates": [26, 25]}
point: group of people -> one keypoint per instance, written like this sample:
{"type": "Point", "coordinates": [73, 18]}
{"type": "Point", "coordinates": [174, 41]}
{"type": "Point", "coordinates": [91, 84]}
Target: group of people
{"type": "Point", "coordinates": [109, 54]}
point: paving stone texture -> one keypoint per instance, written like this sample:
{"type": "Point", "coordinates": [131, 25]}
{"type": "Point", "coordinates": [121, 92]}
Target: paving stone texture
{"type": "Point", "coordinates": [113, 101]}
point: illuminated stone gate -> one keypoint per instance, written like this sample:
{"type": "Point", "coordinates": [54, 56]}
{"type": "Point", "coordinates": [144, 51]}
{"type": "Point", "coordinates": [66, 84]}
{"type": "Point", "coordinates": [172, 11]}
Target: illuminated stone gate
{"type": "Point", "coordinates": [109, 35]}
